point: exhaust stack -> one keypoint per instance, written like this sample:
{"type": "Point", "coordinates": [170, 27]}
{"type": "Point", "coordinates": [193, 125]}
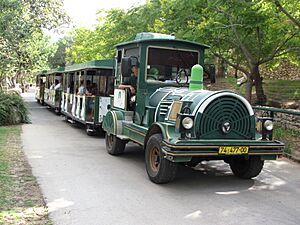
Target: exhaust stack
{"type": "Point", "coordinates": [196, 82]}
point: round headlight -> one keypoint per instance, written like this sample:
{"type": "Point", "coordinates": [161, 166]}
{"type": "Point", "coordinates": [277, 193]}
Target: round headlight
{"type": "Point", "coordinates": [187, 123]}
{"type": "Point", "coordinates": [268, 125]}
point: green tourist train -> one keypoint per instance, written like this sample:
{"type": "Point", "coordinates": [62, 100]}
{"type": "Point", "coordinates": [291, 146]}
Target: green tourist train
{"type": "Point", "coordinates": [153, 94]}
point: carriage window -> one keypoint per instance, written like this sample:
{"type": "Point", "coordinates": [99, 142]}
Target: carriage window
{"type": "Point", "coordinates": [100, 82]}
{"type": "Point", "coordinates": [165, 64]}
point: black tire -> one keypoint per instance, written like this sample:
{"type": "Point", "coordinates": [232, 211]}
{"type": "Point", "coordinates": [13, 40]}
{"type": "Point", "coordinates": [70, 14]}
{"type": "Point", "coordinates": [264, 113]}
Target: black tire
{"type": "Point", "coordinates": [101, 132]}
{"type": "Point", "coordinates": [246, 168]}
{"type": "Point", "coordinates": [57, 111]}
{"type": "Point", "coordinates": [114, 145]}
{"type": "Point", "coordinates": [90, 131]}
{"type": "Point", "coordinates": [159, 169]}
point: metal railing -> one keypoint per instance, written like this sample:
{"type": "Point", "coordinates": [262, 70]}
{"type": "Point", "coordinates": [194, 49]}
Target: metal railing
{"type": "Point", "coordinates": [289, 126]}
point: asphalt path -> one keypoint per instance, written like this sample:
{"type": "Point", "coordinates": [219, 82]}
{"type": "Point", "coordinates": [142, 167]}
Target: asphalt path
{"type": "Point", "coordinates": [83, 184]}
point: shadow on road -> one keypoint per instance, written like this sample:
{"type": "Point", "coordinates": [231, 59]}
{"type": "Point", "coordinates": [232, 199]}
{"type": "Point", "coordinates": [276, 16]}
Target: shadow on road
{"type": "Point", "coordinates": [212, 175]}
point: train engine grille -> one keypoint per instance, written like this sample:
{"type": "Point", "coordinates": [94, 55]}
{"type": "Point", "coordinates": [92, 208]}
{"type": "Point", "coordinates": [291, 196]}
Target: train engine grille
{"type": "Point", "coordinates": [226, 117]}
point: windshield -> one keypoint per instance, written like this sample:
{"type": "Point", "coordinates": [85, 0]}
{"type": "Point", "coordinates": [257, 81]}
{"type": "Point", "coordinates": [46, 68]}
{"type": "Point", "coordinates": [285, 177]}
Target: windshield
{"type": "Point", "coordinates": [169, 65]}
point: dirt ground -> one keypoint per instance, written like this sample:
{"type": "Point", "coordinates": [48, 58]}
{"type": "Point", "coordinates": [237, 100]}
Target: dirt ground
{"type": "Point", "coordinates": [21, 200]}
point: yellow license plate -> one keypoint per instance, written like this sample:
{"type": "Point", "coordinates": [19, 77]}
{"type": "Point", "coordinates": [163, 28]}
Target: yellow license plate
{"type": "Point", "coordinates": [233, 150]}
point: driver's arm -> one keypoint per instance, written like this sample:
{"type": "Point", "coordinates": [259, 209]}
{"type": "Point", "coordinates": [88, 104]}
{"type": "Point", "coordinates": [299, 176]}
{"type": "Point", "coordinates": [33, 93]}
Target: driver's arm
{"type": "Point", "coordinates": [124, 86]}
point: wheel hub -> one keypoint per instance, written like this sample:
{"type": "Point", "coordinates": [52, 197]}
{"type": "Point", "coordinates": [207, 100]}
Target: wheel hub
{"type": "Point", "coordinates": [154, 159]}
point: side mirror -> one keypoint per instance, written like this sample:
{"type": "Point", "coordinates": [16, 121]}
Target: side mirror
{"type": "Point", "coordinates": [126, 66]}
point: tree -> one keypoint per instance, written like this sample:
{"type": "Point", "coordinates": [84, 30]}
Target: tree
{"type": "Point", "coordinates": [114, 26]}
{"type": "Point", "coordinates": [292, 5]}
{"type": "Point", "coordinates": [22, 44]}
{"type": "Point", "coordinates": [60, 57]}
{"type": "Point", "coordinates": [245, 34]}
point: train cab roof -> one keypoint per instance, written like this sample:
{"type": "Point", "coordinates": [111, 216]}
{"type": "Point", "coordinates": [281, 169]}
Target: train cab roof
{"type": "Point", "coordinates": [159, 39]}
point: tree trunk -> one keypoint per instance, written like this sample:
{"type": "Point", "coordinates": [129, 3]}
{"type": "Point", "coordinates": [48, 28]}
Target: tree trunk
{"type": "Point", "coordinates": [236, 73]}
{"type": "Point", "coordinates": [260, 95]}
{"type": "Point", "coordinates": [249, 89]}
{"type": "Point", "coordinates": [221, 68]}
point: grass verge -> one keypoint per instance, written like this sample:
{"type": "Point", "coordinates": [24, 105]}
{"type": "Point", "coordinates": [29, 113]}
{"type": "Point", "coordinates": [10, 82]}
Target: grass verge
{"type": "Point", "coordinates": [291, 139]}
{"type": "Point", "coordinates": [21, 201]}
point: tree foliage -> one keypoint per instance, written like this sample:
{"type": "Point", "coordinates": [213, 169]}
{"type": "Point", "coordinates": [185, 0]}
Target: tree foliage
{"type": "Point", "coordinates": [61, 57]}
{"type": "Point", "coordinates": [23, 47]}
{"type": "Point", "coordinates": [288, 9]}
{"type": "Point", "coordinates": [243, 33]}
{"type": "Point", "coordinates": [115, 26]}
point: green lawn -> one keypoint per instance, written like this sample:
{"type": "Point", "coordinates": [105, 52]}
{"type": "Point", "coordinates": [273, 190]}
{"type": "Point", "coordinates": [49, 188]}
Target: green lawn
{"type": "Point", "coordinates": [283, 90]}
{"type": "Point", "coordinates": [291, 139]}
{"type": "Point", "coordinates": [21, 201]}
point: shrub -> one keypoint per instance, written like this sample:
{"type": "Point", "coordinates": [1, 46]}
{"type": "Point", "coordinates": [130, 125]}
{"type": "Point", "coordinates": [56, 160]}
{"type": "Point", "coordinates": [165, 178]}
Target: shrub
{"type": "Point", "coordinates": [13, 109]}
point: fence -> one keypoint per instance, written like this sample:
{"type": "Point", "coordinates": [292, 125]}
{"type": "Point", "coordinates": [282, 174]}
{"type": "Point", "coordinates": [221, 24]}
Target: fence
{"type": "Point", "coordinates": [287, 128]}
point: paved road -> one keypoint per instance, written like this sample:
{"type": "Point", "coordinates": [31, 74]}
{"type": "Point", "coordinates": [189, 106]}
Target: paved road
{"type": "Point", "coordinates": [84, 185]}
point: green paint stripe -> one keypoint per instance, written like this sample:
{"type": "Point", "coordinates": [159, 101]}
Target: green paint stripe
{"type": "Point", "coordinates": [196, 82]}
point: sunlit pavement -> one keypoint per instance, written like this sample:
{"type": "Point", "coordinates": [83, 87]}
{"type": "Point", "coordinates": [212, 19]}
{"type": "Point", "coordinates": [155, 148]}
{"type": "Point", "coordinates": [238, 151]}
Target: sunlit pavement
{"type": "Point", "coordinates": [82, 184]}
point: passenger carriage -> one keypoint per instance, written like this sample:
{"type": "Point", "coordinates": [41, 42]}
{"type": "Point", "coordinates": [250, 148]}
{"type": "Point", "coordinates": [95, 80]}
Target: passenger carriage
{"type": "Point", "coordinates": [88, 108]}
{"type": "Point", "coordinates": [53, 91]}
{"type": "Point", "coordinates": [40, 86]}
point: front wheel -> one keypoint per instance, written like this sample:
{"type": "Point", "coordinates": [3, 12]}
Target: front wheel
{"type": "Point", "coordinates": [114, 145]}
{"type": "Point", "coordinates": [159, 169]}
{"type": "Point", "coordinates": [246, 168]}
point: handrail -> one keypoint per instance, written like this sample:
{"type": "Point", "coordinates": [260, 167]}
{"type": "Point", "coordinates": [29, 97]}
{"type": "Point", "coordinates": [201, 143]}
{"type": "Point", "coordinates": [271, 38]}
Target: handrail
{"type": "Point", "coordinates": [272, 109]}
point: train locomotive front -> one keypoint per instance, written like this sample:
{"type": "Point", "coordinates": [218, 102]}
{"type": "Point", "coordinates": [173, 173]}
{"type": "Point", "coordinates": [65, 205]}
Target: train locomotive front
{"type": "Point", "coordinates": [208, 125]}
{"type": "Point", "coordinates": [175, 119]}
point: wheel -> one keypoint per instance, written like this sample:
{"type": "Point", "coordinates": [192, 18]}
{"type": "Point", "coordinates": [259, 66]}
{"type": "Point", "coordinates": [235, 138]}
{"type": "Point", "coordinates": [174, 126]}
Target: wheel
{"type": "Point", "coordinates": [246, 168]}
{"type": "Point", "coordinates": [114, 145]}
{"type": "Point", "coordinates": [159, 169]}
{"type": "Point", "coordinates": [90, 131]}
{"type": "Point", "coordinates": [101, 132]}
{"type": "Point", "coordinates": [57, 111]}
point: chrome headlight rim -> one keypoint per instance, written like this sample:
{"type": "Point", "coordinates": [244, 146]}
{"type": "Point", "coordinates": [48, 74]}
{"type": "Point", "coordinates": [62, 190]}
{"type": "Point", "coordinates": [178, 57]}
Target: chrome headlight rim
{"type": "Point", "coordinates": [269, 125]}
{"type": "Point", "coordinates": [187, 123]}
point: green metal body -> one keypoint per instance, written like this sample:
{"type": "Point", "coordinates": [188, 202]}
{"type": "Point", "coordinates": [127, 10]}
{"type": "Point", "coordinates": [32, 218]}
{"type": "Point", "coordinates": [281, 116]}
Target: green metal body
{"type": "Point", "coordinates": [160, 105]}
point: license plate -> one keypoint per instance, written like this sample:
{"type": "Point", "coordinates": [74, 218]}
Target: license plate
{"type": "Point", "coordinates": [233, 150]}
